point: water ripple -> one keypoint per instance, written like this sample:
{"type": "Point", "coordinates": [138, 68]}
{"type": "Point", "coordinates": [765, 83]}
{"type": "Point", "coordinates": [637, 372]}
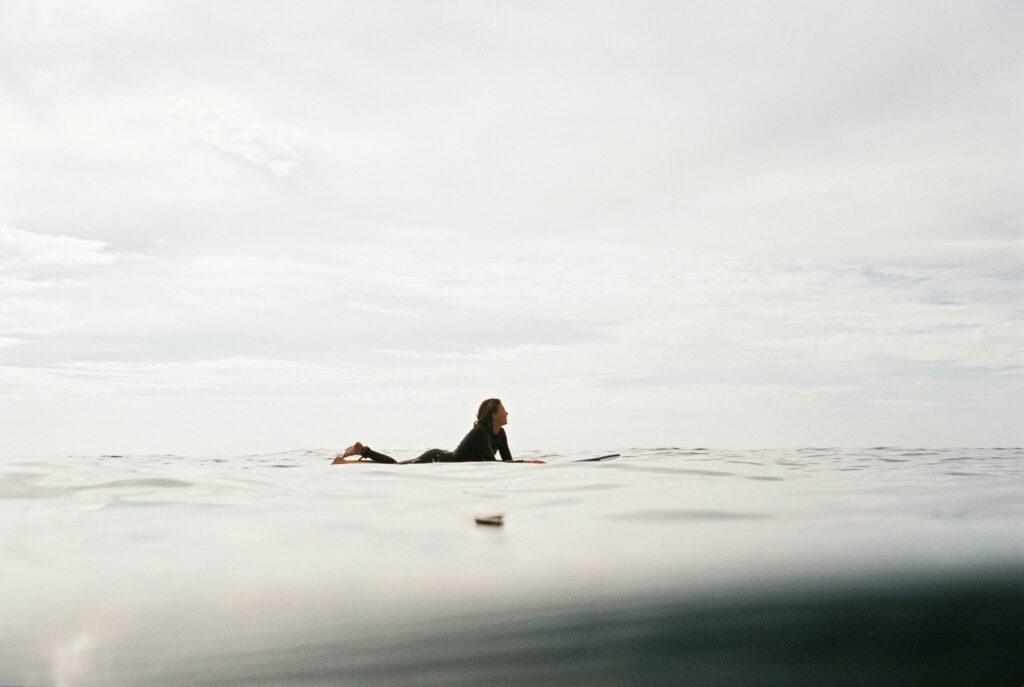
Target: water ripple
{"type": "Point", "coordinates": [671, 515]}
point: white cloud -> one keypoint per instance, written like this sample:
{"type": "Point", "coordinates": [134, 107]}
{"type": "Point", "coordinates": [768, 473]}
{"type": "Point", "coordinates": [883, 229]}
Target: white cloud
{"type": "Point", "coordinates": [619, 309]}
{"type": "Point", "coordinates": [270, 147]}
{"type": "Point", "coordinates": [665, 206]}
{"type": "Point", "coordinates": [709, 336]}
{"type": "Point", "coordinates": [6, 341]}
{"type": "Point", "coordinates": [236, 376]}
{"type": "Point", "coordinates": [34, 268]}
{"type": "Point", "coordinates": [26, 252]}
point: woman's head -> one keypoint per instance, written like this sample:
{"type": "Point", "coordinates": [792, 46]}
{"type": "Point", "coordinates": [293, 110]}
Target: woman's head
{"type": "Point", "coordinates": [491, 414]}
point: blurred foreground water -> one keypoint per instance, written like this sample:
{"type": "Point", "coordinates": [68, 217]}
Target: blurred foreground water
{"type": "Point", "coordinates": [667, 566]}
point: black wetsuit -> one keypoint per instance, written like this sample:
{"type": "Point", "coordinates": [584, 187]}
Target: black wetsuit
{"type": "Point", "coordinates": [478, 444]}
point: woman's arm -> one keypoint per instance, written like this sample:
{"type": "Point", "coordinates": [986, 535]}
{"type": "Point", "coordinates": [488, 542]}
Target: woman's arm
{"type": "Point", "coordinates": [506, 454]}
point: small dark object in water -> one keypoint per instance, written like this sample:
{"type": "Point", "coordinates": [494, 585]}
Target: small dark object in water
{"type": "Point", "coordinates": [492, 520]}
{"type": "Point", "coordinates": [610, 456]}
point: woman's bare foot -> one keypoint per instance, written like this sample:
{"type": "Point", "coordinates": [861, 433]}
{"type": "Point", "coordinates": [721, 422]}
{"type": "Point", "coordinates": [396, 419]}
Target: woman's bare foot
{"type": "Point", "coordinates": [353, 450]}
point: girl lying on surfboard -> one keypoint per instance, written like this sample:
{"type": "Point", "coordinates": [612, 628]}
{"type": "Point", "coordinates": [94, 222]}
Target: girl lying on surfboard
{"type": "Point", "coordinates": [481, 443]}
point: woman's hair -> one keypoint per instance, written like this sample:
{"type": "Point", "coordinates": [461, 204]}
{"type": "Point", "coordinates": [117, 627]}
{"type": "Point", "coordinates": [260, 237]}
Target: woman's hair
{"type": "Point", "coordinates": [486, 412]}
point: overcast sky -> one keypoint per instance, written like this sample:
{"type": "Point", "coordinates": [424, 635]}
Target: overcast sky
{"type": "Point", "coordinates": [251, 226]}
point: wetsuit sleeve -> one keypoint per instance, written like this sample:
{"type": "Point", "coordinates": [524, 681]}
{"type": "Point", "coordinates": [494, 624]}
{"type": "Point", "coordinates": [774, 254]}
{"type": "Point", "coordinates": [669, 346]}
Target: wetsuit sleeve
{"type": "Point", "coordinates": [503, 446]}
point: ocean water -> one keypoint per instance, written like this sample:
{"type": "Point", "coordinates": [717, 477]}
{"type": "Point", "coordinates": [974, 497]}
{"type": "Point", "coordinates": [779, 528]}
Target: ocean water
{"type": "Point", "coordinates": [668, 566]}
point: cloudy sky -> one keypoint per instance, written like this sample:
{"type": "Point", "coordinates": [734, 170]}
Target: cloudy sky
{"type": "Point", "coordinates": [255, 226]}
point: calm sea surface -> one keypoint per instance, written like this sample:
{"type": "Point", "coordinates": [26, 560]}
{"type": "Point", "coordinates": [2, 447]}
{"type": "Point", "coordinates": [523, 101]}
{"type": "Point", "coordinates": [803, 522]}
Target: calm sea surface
{"type": "Point", "coordinates": [668, 566]}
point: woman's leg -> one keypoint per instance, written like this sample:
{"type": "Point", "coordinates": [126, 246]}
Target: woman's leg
{"type": "Point", "coordinates": [434, 455]}
{"type": "Point", "coordinates": [352, 450]}
{"type": "Point", "coordinates": [368, 452]}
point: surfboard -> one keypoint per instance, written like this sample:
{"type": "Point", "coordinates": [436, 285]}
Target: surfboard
{"type": "Point", "coordinates": [596, 459]}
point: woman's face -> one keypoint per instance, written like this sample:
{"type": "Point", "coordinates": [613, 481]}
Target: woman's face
{"type": "Point", "coordinates": [500, 416]}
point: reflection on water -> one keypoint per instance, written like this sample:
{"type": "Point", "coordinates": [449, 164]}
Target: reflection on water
{"type": "Point", "coordinates": [667, 566]}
